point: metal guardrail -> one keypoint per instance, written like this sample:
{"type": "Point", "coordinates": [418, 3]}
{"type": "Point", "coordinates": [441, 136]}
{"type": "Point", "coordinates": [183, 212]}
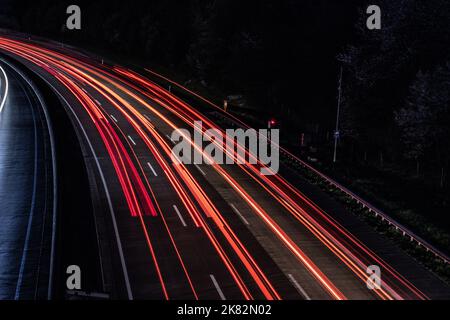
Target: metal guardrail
{"type": "Point", "coordinates": [407, 233]}
{"type": "Point", "coordinates": [377, 212]}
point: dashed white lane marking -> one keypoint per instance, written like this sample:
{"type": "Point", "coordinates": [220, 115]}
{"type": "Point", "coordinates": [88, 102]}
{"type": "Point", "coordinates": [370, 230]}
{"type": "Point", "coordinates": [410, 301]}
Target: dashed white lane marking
{"type": "Point", "coordinates": [114, 118]}
{"type": "Point", "coordinates": [219, 291]}
{"type": "Point", "coordinates": [168, 137]}
{"type": "Point", "coordinates": [131, 139]}
{"type": "Point", "coordinates": [151, 168]}
{"type": "Point", "coordinates": [179, 215]}
{"type": "Point", "coordinates": [149, 121]}
{"type": "Point", "coordinates": [239, 214]}
{"type": "Point", "coordinates": [298, 286]}
{"type": "Point", "coordinates": [97, 102]}
{"type": "Point", "coordinates": [200, 169]}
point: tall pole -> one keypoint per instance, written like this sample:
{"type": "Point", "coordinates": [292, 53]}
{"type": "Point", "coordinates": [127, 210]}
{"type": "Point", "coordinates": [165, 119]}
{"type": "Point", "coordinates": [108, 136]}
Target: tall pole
{"type": "Point", "coordinates": [336, 133]}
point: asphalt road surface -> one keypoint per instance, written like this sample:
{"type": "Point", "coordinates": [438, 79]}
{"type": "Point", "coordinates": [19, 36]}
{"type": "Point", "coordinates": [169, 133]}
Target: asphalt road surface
{"type": "Point", "coordinates": [26, 193]}
{"type": "Point", "coordinates": [168, 231]}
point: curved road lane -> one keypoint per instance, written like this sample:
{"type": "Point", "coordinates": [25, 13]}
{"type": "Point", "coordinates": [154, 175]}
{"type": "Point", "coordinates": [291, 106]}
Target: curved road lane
{"type": "Point", "coordinates": [26, 198]}
{"type": "Point", "coordinates": [197, 231]}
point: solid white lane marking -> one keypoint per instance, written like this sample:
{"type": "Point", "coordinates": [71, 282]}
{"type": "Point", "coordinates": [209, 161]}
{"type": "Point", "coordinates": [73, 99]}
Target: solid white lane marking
{"type": "Point", "coordinates": [55, 184]}
{"type": "Point", "coordinates": [179, 215]}
{"type": "Point", "coordinates": [108, 197]}
{"type": "Point", "coordinates": [298, 286]}
{"type": "Point", "coordinates": [32, 209]}
{"type": "Point", "coordinates": [2, 104]}
{"type": "Point", "coordinates": [131, 139]}
{"type": "Point", "coordinates": [239, 214]}
{"type": "Point", "coordinates": [114, 118]}
{"type": "Point", "coordinates": [219, 291]}
{"type": "Point", "coordinates": [151, 168]}
{"type": "Point", "coordinates": [199, 169]}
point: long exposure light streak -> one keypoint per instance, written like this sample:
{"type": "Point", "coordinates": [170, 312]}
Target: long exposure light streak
{"type": "Point", "coordinates": [354, 254]}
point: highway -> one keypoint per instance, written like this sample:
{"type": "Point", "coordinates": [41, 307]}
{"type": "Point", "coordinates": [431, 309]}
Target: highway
{"type": "Point", "coordinates": [174, 231]}
{"type": "Point", "coordinates": [26, 191]}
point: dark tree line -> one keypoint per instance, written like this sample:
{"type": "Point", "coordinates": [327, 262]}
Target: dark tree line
{"type": "Point", "coordinates": [281, 54]}
{"type": "Point", "coordinates": [397, 98]}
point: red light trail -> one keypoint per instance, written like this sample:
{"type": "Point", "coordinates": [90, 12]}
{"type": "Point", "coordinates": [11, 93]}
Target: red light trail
{"type": "Point", "coordinates": [115, 83]}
